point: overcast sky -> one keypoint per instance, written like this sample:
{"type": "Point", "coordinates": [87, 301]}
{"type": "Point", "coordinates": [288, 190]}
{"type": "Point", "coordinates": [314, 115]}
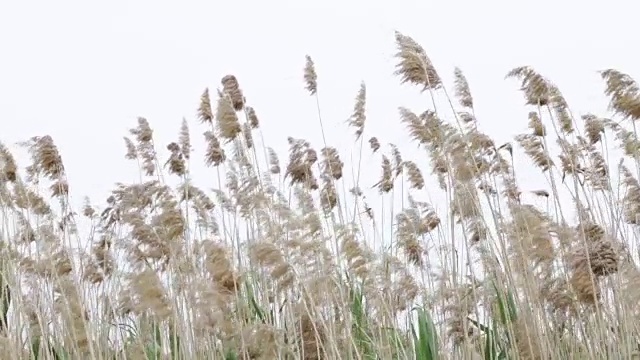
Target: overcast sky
{"type": "Point", "coordinates": [83, 71]}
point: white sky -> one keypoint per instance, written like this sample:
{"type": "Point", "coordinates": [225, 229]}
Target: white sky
{"type": "Point", "coordinates": [82, 71]}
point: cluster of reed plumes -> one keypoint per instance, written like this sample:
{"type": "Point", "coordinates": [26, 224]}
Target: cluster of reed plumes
{"type": "Point", "coordinates": [279, 262]}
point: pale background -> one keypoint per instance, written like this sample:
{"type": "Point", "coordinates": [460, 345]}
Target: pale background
{"type": "Point", "coordinates": [82, 71]}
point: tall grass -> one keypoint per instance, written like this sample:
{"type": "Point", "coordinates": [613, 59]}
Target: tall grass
{"type": "Point", "coordinates": [285, 259]}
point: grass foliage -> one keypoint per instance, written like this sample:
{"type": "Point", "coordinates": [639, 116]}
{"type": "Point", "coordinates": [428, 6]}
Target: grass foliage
{"type": "Point", "coordinates": [282, 262]}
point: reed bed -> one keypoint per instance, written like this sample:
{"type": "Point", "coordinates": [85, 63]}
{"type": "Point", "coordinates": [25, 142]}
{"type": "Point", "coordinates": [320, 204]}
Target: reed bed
{"type": "Point", "coordinates": [284, 259]}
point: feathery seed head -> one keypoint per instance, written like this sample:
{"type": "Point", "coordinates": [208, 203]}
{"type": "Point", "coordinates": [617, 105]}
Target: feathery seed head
{"type": "Point", "coordinates": [332, 165]}
{"type": "Point", "coordinates": [386, 181]}
{"type": "Point", "coordinates": [463, 92]}
{"type": "Point", "coordinates": [328, 195]}
{"type": "Point", "coordinates": [535, 87]}
{"type": "Point", "coordinates": [310, 76]}
{"type": "Point", "coordinates": [358, 117]}
{"type": "Point", "coordinates": [227, 118]}
{"type": "Point", "coordinates": [132, 152]}
{"type": "Point", "coordinates": [534, 148]}
{"type": "Point", "coordinates": [231, 87]}
{"type": "Point", "coordinates": [623, 93]}
{"type": "Point", "coordinates": [374, 143]}
{"type": "Point", "coordinates": [248, 137]}
{"type": "Point", "coordinates": [274, 162]}
{"type": "Point", "coordinates": [46, 159]}
{"type": "Point", "coordinates": [145, 148]}
{"type": "Point", "coordinates": [301, 158]}
{"type": "Point", "coordinates": [594, 128]}
{"type": "Point", "coordinates": [397, 160]}
{"type": "Point", "coordinates": [59, 189]}
{"type": "Point", "coordinates": [252, 117]}
{"type": "Point", "coordinates": [205, 114]}
{"type": "Point", "coordinates": [414, 66]}
{"type": "Point", "coordinates": [215, 154]}
{"type": "Point", "coordinates": [185, 139]}
{"type": "Point", "coordinates": [561, 110]}
{"type": "Point", "coordinates": [8, 167]}
{"type": "Point", "coordinates": [536, 125]}
{"type": "Point", "coordinates": [415, 175]}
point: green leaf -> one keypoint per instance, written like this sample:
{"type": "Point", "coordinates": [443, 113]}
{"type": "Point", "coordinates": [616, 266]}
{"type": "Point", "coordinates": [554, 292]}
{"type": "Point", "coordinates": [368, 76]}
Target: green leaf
{"type": "Point", "coordinates": [157, 334]}
{"type": "Point", "coordinates": [152, 352]}
{"type": "Point", "coordinates": [5, 298]}
{"type": "Point", "coordinates": [395, 340]}
{"type": "Point", "coordinates": [480, 326]}
{"type": "Point", "coordinates": [258, 311]}
{"type": "Point", "coordinates": [174, 343]}
{"type": "Point", "coordinates": [426, 338]}
{"type": "Point", "coordinates": [35, 348]}
{"type": "Point", "coordinates": [360, 325]}
{"type": "Point", "coordinates": [231, 355]}
{"type": "Point", "coordinates": [506, 305]}
{"type": "Point", "coordinates": [490, 341]}
{"type": "Point", "coordinates": [59, 353]}
{"type": "Point", "coordinates": [490, 349]}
